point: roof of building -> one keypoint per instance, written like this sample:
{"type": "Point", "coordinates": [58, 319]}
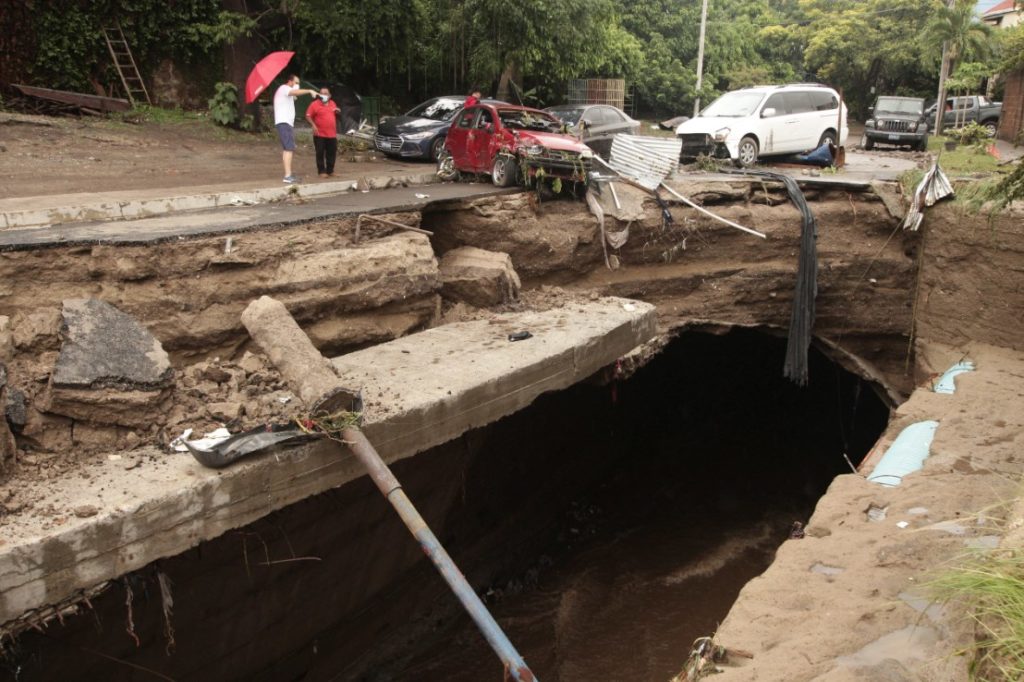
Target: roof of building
{"type": "Point", "coordinates": [1004, 7]}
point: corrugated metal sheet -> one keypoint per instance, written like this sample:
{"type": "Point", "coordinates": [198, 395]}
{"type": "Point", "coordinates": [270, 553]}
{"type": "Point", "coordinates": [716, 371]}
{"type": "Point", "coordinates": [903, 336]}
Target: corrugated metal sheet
{"type": "Point", "coordinates": [648, 160]}
{"type": "Point", "coordinates": [933, 187]}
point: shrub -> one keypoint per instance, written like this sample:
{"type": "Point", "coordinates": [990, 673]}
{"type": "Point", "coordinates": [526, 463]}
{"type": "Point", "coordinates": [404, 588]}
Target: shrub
{"type": "Point", "coordinates": [224, 105]}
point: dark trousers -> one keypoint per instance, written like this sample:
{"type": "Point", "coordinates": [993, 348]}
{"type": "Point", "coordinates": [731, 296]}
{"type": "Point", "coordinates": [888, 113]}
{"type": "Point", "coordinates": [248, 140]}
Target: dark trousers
{"type": "Point", "coordinates": [326, 152]}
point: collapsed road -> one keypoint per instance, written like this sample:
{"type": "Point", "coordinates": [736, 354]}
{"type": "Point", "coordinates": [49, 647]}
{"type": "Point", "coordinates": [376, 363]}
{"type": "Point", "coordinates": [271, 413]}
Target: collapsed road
{"type": "Point", "coordinates": [97, 509]}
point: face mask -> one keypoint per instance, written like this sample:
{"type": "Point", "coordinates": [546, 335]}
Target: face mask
{"type": "Point", "coordinates": [324, 98]}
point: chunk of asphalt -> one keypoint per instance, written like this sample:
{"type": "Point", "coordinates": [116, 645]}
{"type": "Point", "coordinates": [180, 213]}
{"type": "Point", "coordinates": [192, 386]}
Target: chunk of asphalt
{"type": "Point", "coordinates": [103, 346]}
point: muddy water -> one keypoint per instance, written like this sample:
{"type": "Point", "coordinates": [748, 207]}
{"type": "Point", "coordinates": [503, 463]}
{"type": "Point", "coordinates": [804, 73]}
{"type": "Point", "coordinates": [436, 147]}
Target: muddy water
{"type": "Point", "coordinates": [626, 604]}
{"type": "Point", "coordinates": [714, 457]}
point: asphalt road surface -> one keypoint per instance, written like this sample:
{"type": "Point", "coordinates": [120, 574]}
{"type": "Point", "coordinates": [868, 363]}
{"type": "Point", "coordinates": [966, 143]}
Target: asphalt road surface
{"type": "Point", "coordinates": [242, 218]}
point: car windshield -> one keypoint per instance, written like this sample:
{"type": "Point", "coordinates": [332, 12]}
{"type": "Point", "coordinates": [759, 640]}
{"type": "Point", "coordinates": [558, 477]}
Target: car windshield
{"type": "Point", "coordinates": [440, 109]}
{"type": "Point", "coordinates": [890, 105]}
{"type": "Point", "coordinates": [529, 120]}
{"type": "Point", "coordinates": [569, 116]}
{"type": "Point", "coordinates": [734, 104]}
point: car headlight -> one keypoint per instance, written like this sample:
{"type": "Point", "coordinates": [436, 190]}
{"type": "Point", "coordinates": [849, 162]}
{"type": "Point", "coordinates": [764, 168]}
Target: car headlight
{"type": "Point", "coordinates": [721, 134]}
{"type": "Point", "coordinates": [586, 154]}
{"type": "Point", "coordinates": [414, 137]}
{"type": "Point", "coordinates": [534, 150]}
{"type": "Point", "coordinates": [870, 123]}
{"type": "Point", "coordinates": [913, 127]}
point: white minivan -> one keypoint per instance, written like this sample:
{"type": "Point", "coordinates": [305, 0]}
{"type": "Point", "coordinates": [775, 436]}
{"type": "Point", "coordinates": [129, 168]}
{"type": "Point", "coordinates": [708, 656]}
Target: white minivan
{"type": "Point", "coordinates": [766, 120]}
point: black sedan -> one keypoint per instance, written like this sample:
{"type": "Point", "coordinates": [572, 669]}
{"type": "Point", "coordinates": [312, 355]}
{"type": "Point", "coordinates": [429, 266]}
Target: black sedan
{"type": "Point", "coordinates": [421, 131]}
{"type": "Point", "coordinates": [600, 123]}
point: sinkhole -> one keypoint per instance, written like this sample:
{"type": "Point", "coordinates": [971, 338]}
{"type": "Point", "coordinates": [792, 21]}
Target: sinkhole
{"type": "Point", "coordinates": [606, 526]}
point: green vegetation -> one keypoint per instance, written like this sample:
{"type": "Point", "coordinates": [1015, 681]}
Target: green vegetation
{"type": "Point", "coordinates": [150, 114]}
{"type": "Point", "coordinates": [410, 49]}
{"type": "Point", "coordinates": [990, 587]}
{"type": "Point", "coordinates": [224, 108]}
{"type": "Point", "coordinates": [71, 53]}
{"type": "Point", "coordinates": [965, 159]}
{"type": "Point", "coordinates": [909, 180]}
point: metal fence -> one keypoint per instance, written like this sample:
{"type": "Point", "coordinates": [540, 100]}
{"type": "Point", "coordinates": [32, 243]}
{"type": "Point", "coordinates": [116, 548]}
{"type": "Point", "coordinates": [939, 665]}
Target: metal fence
{"type": "Point", "coordinates": [598, 91]}
{"type": "Point", "coordinates": [371, 110]}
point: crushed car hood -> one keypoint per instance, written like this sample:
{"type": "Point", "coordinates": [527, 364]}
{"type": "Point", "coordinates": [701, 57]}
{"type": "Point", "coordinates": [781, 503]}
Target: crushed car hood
{"type": "Point", "coordinates": [551, 141]}
{"type": "Point", "coordinates": [708, 124]}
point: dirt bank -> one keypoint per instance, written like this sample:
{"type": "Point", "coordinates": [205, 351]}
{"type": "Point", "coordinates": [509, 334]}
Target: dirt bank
{"type": "Point", "coordinates": [43, 155]}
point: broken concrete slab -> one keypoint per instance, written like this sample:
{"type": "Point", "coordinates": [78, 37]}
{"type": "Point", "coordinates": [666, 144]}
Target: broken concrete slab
{"type": "Point", "coordinates": [103, 346]}
{"type": "Point", "coordinates": [107, 405]}
{"type": "Point", "coordinates": [110, 370]}
{"type": "Point", "coordinates": [421, 391]}
{"type": "Point", "coordinates": [478, 277]}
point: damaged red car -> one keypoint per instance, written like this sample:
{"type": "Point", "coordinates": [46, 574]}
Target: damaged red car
{"type": "Point", "coordinates": [514, 145]}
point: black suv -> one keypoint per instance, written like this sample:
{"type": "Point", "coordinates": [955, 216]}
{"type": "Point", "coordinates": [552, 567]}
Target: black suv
{"type": "Point", "coordinates": [897, 121]}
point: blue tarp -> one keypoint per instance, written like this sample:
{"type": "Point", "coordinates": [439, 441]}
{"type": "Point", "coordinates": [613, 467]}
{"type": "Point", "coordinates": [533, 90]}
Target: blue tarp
{"type": "Point", "coordinates": [822, 156]}
{"type": "Point", "coordinates": [906, 454]}
{"type": "Point", "coordinates": [945, 384]}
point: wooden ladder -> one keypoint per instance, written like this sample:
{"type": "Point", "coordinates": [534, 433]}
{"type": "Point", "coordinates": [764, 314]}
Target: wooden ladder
{"type": "Point", "coordinates": [125, 64]}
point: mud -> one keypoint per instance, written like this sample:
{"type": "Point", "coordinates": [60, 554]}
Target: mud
{"type": "Point", "coordinates": [64, 155]}
{"type": "Point", "coordinates": [607, 525]}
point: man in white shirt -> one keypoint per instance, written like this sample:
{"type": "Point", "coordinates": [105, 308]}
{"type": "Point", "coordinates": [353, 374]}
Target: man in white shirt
{"type": "Point", "coordinates": [284, 121]}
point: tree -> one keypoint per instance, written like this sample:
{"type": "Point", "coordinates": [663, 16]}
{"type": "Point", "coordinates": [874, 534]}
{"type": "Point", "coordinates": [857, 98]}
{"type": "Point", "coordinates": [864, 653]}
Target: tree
{"type": "Point", "coordinates": [955, 30]}
{"type": "Point", "coordinates": [866, 48]}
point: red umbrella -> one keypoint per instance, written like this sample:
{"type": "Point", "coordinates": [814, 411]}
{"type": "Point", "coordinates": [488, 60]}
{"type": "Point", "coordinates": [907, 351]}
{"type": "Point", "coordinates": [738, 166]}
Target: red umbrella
{"type": "Point", "coordinates": [264, 72]}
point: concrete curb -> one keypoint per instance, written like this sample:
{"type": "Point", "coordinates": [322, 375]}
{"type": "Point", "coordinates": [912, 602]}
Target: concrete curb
{"type": "Point", "coordinates": [132, 209]}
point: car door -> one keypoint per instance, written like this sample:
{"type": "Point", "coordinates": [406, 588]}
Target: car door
{"type": "Point", "coordinates": [950, 112]}
{"type": "Point", "coordinates": [804, 123]}
{"type": "Point", "coordinates": [600, 130]}
{"type": "Point", "coordinates": [481, 145]}
{"type": "Point", "coordinates": [458, 139]}
{"type": "Point", "coordinates": [777, 127]}
{"type": "Point", "coordinates": [970, 110]}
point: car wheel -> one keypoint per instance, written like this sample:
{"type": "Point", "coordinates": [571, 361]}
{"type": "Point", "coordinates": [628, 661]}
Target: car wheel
{"type": "Point", "coordinates": [446, 169]}
{"type": "Point", "coordinates": [869, 144]}
{"type": "Point", "coordinates": [827, 136]}
{"type": "Point", "coordinates": [747, 153]}
{"type": "Point", "coordinates": [990, 127]}
{"type": "Point", "coordinates": [504, 172]}
{"type": "Point", "coordinates": [922, 146]}
{"type": "Point", "coordinates": [436, 147]}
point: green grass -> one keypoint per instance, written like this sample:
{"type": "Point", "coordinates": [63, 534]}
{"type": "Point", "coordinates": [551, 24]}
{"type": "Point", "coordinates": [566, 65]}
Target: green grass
{"type": "Point", "coordinates": [990, 587]}
{"type": "Point", "coordinates": [964, 160]}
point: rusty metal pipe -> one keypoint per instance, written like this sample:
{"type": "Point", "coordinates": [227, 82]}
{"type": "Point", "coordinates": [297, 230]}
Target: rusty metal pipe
{"type": "Point", "coordinates": [312, 376]}
{"type": "Point", "coordinates": [392, 490]}
{"type": "Point", "coordinates": [393, 223]}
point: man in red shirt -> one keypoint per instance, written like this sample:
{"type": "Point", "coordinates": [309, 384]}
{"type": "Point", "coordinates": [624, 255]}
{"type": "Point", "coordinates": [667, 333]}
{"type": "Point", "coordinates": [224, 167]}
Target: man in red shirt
{"type": "Point", "coordinates": [473, 98]}
{"type": "Point", "coordinates": [321, 115]}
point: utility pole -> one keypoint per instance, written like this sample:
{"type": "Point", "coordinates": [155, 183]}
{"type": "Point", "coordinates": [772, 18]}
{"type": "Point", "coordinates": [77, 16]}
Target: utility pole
{"type": "Point", "coordinates": [940, 102]}
{"type": "Point", "coordinates": [700, 54]}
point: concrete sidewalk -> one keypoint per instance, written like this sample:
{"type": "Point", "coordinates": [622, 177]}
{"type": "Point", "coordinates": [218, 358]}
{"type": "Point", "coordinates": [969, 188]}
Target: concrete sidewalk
{"type": "Point", "coordinates": [50, 210]}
